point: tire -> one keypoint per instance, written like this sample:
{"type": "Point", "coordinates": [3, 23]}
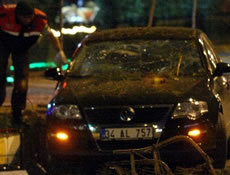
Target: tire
{"type": "Point", "coordinates": [220, 155]}
{"type": "Point", "coordinates": [55, 166]}
{"type": "Point", "coordinates": [51, 164]}
{"type": "Point", "coordinates": [228, 155]}
{"type": "Point", "coordinates": [106, 170]}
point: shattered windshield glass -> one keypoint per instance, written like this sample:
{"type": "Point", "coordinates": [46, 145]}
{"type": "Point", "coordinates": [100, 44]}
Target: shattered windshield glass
{"type": "Point", "coordinates": [132, 58]}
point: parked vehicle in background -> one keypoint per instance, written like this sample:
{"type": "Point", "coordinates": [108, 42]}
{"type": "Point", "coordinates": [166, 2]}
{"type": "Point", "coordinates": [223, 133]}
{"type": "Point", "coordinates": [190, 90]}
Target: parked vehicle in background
{"type": "Point", "coordinates": [131, 87]}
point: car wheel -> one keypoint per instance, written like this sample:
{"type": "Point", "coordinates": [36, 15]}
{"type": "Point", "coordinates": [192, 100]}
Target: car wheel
{"type": "Point", "coordinates": [220, 155]}
{"type": "Point", "coordinates": [228, 155]}
{"type": "Point", "coordinates": [53, 166]}
{"type": "Point", "coordinates": [107, 170]}
{"type": "Point", "coordinates": [49, 163]}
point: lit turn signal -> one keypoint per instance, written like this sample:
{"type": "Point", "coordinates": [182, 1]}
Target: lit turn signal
{"type": "Point", "coordinates": [194, 133]}
{"type": "Point", "coordinates": [62, 136]}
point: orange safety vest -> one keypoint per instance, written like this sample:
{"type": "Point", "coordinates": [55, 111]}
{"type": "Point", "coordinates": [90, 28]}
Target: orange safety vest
{"type": "Point", "coordinates": [8, 21]}
{"type": "Point", "coordinates": [10, 28]}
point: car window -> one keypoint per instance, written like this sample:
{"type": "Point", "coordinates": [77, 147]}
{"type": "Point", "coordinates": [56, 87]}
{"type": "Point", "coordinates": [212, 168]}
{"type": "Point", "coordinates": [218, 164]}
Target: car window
{"type": "Point", "coordinates": [133, 58]}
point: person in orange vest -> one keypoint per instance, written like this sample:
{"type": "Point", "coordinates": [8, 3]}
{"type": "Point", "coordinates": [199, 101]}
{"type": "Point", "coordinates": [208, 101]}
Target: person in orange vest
{"type": "Point", "coordinates": [21, 25]}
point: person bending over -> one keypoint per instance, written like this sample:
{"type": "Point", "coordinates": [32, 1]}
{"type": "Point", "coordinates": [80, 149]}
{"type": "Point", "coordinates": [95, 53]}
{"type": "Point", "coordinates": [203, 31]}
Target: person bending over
{"type": "Point", "coordinates": [21, 25]}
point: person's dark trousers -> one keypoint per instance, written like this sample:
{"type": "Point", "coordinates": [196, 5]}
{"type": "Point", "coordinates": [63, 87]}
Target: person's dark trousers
{"type": "Point", "coordinates": [4, 55]}
{"type": "Point", "coordinates": [21, 72]}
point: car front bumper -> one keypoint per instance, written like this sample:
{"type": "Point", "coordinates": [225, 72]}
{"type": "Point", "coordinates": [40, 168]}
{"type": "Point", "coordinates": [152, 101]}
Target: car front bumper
{"type": "Point", "coordinates": [82, 145]}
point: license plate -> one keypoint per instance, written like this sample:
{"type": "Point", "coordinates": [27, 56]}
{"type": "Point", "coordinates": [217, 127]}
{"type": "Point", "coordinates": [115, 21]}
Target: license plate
{"type": "Point", "coordinates": [127, 133]}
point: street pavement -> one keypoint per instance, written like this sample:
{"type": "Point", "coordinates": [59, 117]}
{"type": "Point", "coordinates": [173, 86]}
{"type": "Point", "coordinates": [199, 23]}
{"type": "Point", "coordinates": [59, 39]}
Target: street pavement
{"type": "Point", "coordinates": [39, 94]}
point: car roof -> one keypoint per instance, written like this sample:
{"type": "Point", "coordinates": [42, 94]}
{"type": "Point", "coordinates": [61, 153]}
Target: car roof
{"type": "Point", "coordinates": [143, 33]}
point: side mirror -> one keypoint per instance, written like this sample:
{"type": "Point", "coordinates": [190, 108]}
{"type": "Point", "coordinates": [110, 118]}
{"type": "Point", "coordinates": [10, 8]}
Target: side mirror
{"type": "Point", "coordinates": [54, 74]}
{"type": "Point", "coordinates": [222, 68]}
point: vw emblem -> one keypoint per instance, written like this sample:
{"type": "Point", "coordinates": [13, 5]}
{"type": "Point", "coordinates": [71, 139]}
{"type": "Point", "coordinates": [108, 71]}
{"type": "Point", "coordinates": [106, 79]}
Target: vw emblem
{"type": "Point", "coordinates": [127, 114]}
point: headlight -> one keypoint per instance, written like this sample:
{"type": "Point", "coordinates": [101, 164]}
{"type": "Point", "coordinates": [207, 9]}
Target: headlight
{"type": "Point", "coordinates": [192, 109]}
{"type": "Point", "coordinates": [67, 112]}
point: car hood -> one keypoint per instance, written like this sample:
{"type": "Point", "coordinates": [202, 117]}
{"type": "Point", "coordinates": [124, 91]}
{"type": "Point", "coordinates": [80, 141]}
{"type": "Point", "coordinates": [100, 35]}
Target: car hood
{"type": "Point", "coordinates": [150, 90]}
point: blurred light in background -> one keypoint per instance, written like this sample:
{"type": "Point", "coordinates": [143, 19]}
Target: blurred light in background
{"type": "Point", "coordinates": [74, 30]}
{"type": "Point", "coordinates": [80, 3]}
{"type": "Point", "coordinates": [38, 65]}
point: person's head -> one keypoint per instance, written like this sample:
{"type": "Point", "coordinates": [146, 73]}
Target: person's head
{"type": "Point", "coordinates": [24, 12]}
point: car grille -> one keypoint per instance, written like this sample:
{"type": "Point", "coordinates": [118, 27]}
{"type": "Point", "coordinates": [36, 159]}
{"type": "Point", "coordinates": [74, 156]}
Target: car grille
{"type": "Point", "coordinates": [108, 116]}
{"type": "Point", "coordinates": [111, 115]}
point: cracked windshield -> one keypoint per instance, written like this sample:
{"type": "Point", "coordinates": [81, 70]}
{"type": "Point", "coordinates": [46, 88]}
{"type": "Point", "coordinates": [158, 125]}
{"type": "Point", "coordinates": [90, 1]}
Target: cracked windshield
{"type": "Point", "coordinates": [126, 60]}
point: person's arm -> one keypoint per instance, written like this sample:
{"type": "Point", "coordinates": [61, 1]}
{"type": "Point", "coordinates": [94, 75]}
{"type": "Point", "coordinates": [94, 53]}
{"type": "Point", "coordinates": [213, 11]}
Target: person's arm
{"type": "Point", "coordinates": [55, 41]}
{"type": "Point", "coordinates": [60, 57]}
